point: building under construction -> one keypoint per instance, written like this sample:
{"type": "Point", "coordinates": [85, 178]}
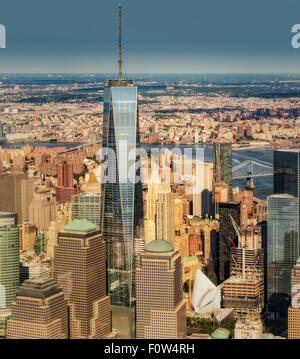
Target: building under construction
{"type": "Point", "coordinates": [244, 290]}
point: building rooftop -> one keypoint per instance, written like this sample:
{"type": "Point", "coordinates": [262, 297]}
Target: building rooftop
{"type": "Point", "coordinates": [38, 288]}
{"type": "Point", "coordinates": [80, 225]}
{"type": "Point", "coordinates": [221, 333]}
{"type": "Point", "coordinates": [159, 246]}
{"type": "Point", "coordinates": [93, 178]}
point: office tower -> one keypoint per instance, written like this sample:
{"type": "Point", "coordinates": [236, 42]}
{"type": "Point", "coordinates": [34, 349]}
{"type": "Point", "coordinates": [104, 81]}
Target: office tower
{"type": "Point", "coordinates": [28, 234]}
{"type": "Point", "coordinates": [287, 172]}
{"type": "Point", "coordinates": [226, 232]}
{"type": "Point", "coordinates": [62, 219]}
{"type": "Point", "coordinates": [123, 202]}
{"type": "Point", "coordinates": [16, 193]}
{"type": "Point", "coordinates": [79, 268]}
{"type": "Point", "coordinates": [9, 258]}
{"type": "Point", "coordinates": [165, 217]}
{"type": "Point", "coordinates": [222, 161]}
{"type": "Point", "coordinates": [248, 328]}
{"type": "Point", "coordinates": [294, 309]}
{"type": "Point", "coordinates": [282, 243]}
{"type": "Point", "coordinates": [65, 186]}
{"type": "Point", "coordinates": [39, 311]}
{"type": "Point", "coordinates": [150, 232]}
{"type": "Point", "coordinates": [2, 134]}
{"type": "Point", "coordinates": [160, 210]}
{"type": "Point", "coordinates": [87, 206]}
{"type": "Point", "coordinates": [42, 209]}
{"type": "Point", "coordinates": [160, 309]}
{"type": "Point", "coordinates": [202, 196]}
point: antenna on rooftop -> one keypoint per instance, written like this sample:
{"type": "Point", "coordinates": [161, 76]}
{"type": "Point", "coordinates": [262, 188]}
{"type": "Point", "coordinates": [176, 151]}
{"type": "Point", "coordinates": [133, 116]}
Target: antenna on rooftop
{"type": "Point", "coordinates": [120, 42]}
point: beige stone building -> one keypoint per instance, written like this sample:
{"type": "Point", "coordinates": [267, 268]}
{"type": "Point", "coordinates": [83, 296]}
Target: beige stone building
{"type": "Point", "coordinates": [27, 236]}
{"type": "Point", "coordinates": [16, 193]}
{"type": "Point", "coordinates": [294, 309]}
{"type": "Point", "coordinates": [160, 309]}
{"type": "Point", "coordinates": [160, 211]}
{"type": "Point", "coordinates": [39, 311]}
{"type": "Point", "coordinates": [80, 269]}
{"type": "Point", "coordinates": [42, 209]}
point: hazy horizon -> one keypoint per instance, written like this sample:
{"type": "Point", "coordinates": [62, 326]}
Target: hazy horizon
{"type": "Point", "coordinates": [208, 36]}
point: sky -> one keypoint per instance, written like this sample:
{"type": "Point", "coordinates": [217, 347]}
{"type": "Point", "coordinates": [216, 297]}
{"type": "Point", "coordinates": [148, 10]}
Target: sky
{"type": "Point", "coordinates": [159, 36]}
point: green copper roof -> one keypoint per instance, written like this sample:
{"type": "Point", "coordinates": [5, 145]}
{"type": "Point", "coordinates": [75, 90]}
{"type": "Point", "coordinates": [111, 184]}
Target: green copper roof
{"type": "Point", "coordinates": [298, 260]}
{"type": "Point", "coordinates": [221, 333]}
{"type": "Point", "coordinates": [267, 336]}
{"type": "Point", "coordinates": [159, 245]}
{"type": "Point", "coordinates": [80, 225]}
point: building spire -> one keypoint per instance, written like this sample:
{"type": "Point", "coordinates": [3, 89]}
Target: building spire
{"type": "Point", "coordinates": [120, 42]}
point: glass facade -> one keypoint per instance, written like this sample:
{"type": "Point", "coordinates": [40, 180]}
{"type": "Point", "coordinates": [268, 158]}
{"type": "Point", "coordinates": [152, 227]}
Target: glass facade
{"type": "Point", "coordinates": [287, 172]}
{"type": "Point", "coordinates": [9, 258]}
{"type": "Point", "coordinates": [283, 242]}
{"type": "Point", "coordinates": [87, 205]}
{"type": "Point", "coordinates": [122, 210]}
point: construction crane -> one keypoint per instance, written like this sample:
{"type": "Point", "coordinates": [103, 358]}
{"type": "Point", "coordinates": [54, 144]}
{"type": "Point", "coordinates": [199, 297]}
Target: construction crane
{"type": "Point", "coordinates": [231, 241]}
{"type": "Point", "coordinates": [240, 244]}
{"type": "Point", "coordinates": [236, 228]}
{"type": "Point", "coordinates": [189, 270]}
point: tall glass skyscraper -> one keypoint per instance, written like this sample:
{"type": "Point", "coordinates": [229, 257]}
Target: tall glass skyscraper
{"type": "Point", "coordinates": [122, 210]}
{"type": "Point", "coordinates": [283, 228]}
{"type": "Point", "coordinates": [287, 172]}
{"type": "Point", "coordinates": [9, 258]}
{"type": "Point", "coordinates": [283, 242]}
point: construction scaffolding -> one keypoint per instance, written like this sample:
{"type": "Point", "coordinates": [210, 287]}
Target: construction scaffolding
{"type": "Point", "coordinates": [244, 290]}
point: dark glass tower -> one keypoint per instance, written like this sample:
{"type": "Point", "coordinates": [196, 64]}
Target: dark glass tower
{"type": "Point", "coordinates": [287, 172]}
{"type": "Point", "coordinates": [283, 244]}
{"type": "Point", "coordinates": [122, 215]}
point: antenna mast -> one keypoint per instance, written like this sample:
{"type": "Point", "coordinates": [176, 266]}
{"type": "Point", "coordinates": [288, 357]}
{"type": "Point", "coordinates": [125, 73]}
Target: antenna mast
{"type": "Point", "coordinates": [120, 42]}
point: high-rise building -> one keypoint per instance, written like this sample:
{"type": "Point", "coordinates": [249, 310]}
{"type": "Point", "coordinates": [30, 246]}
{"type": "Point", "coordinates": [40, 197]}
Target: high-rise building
{"type": "Point", "coordinates": [226, 232]}
{"type": "Point", "coordinates": [42, 209]}
{"type": "Point", "coordinates": [294, 309]}
{"type": "Point", "coordinates": [282, 243]}
{"type": "Point", "coordinates": [16, 193]}
{"type": "Point", "coordinates": [244, 290]}
{"type": "Point", "coordinates": [160, 309]}
{"type": "Point", "coordinates": [202, 196]}
{"type": "Point", "coordinates": [160, 210]}
{"type": "Point", "coordinates": [9, 258]}
{"type": "Point", "coordinates": [65, 186]}
{"type": "Point", "coordinates": [222, 160]}
{"type": "Point", "coordinates": [2, 134]}
{"type": "Point", "coordinates": [123, 204]}
{"type": "Point", "coordinates": [28, 234]}
{"type": "Point", "coordinates": [87, 205]}
{"type": "Point", "coordinates": [79, 268]}
{"type": "Point", "coordinates": [39, 311]}
{"type": "Point", "coordinates": [286, 165]}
